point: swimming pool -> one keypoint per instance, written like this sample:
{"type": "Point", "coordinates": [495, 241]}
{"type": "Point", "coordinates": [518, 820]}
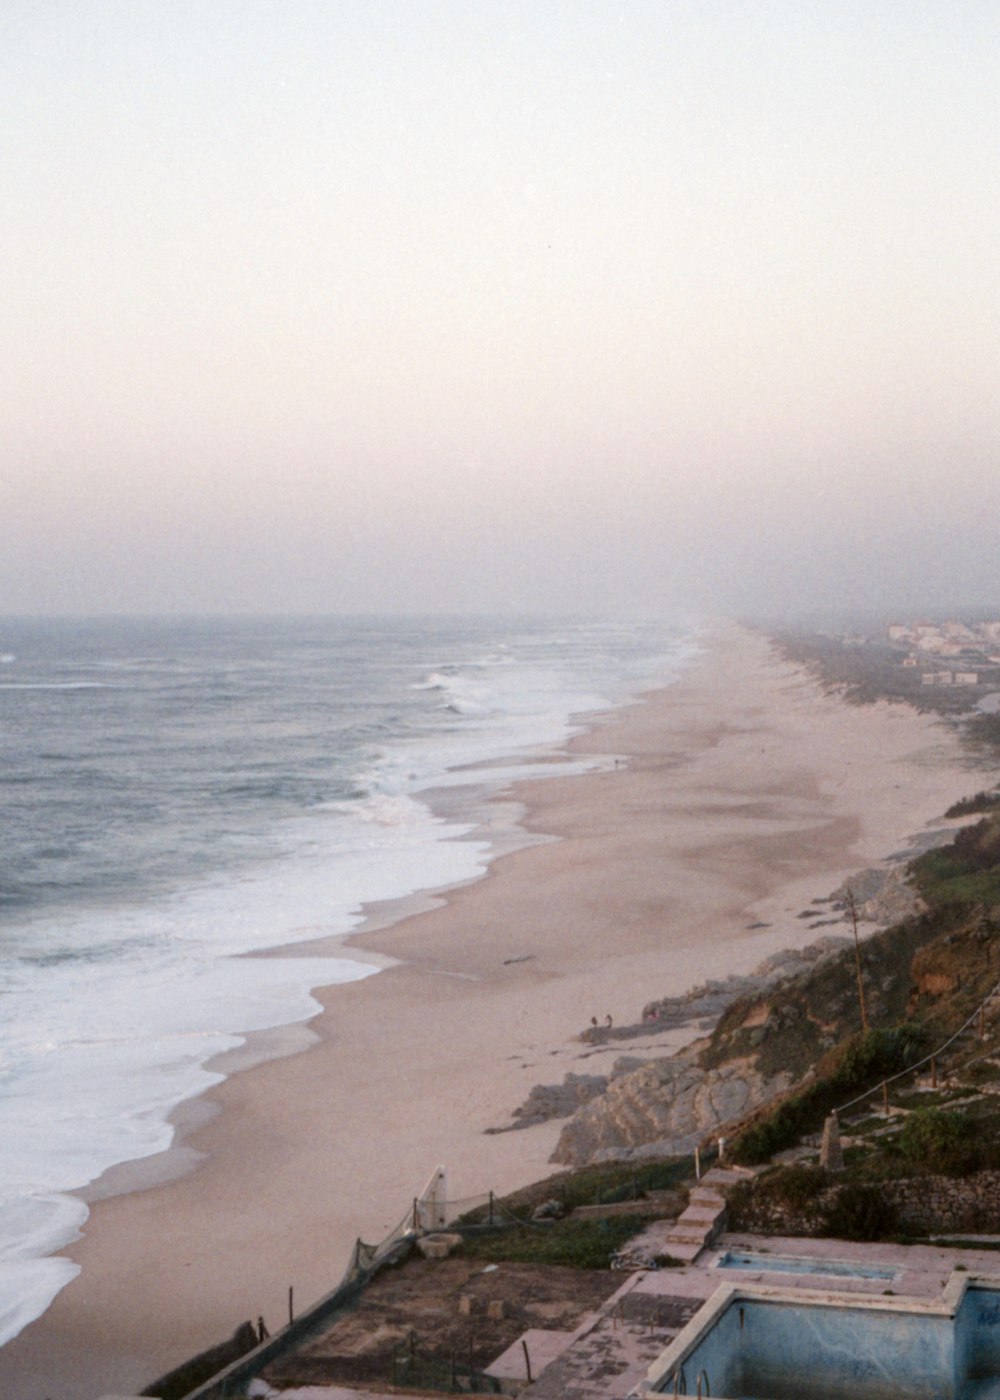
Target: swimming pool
{"type": "Point", "coordinates": [750, 1342]}
{"type": "Point", "coordinates": [747, 1261]}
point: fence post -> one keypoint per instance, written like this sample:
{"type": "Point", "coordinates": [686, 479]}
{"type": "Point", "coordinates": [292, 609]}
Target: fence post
{"type": "Point", "coordinates": [491, 1207]}
{"type": "Point", "coordinates": [291, 1305]}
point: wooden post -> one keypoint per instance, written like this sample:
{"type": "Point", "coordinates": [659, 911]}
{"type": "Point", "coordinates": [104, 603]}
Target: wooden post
{"type": "Point", "coordinates": [491, 1207]}
{"type": "Point", "coordinates": [697, 1164]}
{"type": "Point", "coordinates": [857, 959]}
{"type": "Point", "coordinates": [291, 1305]}
{"type": "Point", "coordinates": [885, 1097]}
{"type": "Point", "coordinates": [933, 1071]}
{"type": "Point", "coordinates": [527, 1359]}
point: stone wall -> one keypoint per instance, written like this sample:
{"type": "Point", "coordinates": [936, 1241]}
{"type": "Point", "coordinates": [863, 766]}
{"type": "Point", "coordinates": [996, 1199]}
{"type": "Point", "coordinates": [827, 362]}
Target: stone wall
{"type": "Point", "coordinates": [925, 1205]}
{"type": "Point", "coordinates": [945, 1205]}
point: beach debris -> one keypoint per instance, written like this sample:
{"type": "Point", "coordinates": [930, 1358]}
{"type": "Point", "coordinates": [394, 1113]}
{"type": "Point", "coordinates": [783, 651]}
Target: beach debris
{"type": "Point", "coordinates": [438, 1245]}
{"type": "Point", "coordinates": [549, 1210]}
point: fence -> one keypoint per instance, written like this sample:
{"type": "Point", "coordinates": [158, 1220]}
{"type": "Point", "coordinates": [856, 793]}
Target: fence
{"type": "Point", "coordinates": [427, 1213]}
{"type": "Point", "coordinates": [413, 1369]}
{"type": "Point", "coordinates": [978, 1015]}
{"type": "Point", "coordinates": [432, 1210]}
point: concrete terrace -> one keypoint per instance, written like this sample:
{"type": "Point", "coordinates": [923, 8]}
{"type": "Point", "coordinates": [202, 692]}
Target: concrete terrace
{"type": "Point", "coordinates": [606, 1357]}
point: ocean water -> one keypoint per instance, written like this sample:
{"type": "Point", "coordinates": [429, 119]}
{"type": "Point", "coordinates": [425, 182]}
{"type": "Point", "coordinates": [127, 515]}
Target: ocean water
{"type": "Point", "coordinates": [177, 794]}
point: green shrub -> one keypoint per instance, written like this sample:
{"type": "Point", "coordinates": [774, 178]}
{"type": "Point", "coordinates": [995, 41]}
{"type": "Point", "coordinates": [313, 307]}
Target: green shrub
{"type": "Point", "coordinates": [981, 802]}
{"type": "Point", "coordinates": [941, 1141]}
{"type": "Point", "coordinates": [796, 1186]}
{"type": "Point", "coordinates": [861, 1063]}
{"type": "Point", "coordinates": [860, 1213]}
{"type": "Point", "coordinates": [965, 872]}
{"type": "Point", "coordinates": [577, 1244]}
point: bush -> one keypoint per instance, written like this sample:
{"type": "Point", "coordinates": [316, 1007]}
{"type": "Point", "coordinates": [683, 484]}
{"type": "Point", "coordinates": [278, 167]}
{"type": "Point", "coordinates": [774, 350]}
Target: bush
{"type": "Point", "coordinates": [941, 1141]}
{"type": "Point", "coordinates": [860, 1213]}
{"type": "Point", "coordinates": [794, 1186]}
{"type": "Point", "coordinates": [577, 1244]}
{"type": "Point", "coordinates": [965, 872]}
{"type": "Point", "coordinates": [981, 802]}
{"type": "Point", "coordinates": [861, 1063]}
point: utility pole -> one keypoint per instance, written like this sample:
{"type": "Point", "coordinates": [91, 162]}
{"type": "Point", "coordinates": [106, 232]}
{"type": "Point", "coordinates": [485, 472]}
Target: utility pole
{"type": "Point", "coordinates": [857, 958]}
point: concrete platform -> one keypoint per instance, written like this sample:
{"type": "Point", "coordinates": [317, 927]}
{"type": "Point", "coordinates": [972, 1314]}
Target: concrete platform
{"type": "Point", "coordinates": [608, 1355]}
{"type": "Point", "coordinates": [543, 1348]}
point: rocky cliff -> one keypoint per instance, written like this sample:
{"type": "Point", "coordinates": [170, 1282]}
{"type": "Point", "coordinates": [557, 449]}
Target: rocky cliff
{"type": "Point", "coordinates": [663, 1108]}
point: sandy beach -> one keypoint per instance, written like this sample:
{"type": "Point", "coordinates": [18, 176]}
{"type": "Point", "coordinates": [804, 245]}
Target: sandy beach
{"type": "Point", "coordinates": [743, 793]}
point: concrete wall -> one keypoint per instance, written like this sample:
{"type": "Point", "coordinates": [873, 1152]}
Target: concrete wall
{"type": "Point", "coordinates": [784, 1347]}
{"type": "Point", "coordinates": [977, 1334]}
{"type": "Point", "coordinates": [927, 1205]}
{"type": "Point", "coordinates": [846, 1353]}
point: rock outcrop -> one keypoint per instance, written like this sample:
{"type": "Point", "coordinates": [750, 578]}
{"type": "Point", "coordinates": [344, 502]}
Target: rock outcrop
{"type": "Point", "coordinates": [555, 1101]}
{"type": "Point", "coordinates": [663, 1107]}
{"type": "Point", "coordinates": [881, 896]}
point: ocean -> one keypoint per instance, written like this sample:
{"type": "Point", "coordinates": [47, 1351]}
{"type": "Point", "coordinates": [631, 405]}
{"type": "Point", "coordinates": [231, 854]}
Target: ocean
{"type": "Point", "coordinates": [178, 794]}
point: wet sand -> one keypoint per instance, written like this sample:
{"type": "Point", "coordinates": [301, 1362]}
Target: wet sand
{"type": "Point", "coordinates": [743, 794]}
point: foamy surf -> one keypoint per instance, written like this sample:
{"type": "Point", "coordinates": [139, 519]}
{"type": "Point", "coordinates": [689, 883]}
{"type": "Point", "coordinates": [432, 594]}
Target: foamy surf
{"type": "Point", "coordinates": [252, 786]}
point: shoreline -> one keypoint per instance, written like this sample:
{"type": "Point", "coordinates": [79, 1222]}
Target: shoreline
{"type": "Point", "coordinates": [461, 803]}
{"type": "Point", "coordinates": [747, 793]}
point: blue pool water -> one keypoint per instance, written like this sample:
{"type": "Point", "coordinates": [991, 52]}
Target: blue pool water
{"type": "Point", "coordinates": [790, 1264]}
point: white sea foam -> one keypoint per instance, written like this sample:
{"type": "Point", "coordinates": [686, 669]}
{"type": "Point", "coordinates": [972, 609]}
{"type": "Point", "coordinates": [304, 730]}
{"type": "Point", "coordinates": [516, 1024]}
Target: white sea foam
{"type": "Point", "coordinates": [112, 1016]}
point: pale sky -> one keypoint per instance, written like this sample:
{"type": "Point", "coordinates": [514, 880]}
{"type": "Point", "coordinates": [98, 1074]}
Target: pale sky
{"type": "Point", "coordinates": [516, 305]}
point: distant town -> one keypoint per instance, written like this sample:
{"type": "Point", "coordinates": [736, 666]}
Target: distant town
{"type": "Point", "coordinates": [971, 649]}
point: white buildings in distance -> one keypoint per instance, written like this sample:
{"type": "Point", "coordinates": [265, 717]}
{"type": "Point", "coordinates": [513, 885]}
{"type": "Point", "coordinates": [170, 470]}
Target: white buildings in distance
{"type": "Point", "coordinates": [970, 648]}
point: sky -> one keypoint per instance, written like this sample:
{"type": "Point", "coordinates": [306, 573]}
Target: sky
{"type": "Point", "coordinates": [499, 305]}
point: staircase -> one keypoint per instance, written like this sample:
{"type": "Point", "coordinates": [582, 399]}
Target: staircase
{"type": "Point", "coordinates": [704, 1220]}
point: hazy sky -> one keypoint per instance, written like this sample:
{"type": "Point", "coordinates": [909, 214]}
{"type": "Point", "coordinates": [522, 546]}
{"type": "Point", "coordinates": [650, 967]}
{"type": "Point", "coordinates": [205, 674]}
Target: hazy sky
{"type": "Point", "coordinates": [361, 305]}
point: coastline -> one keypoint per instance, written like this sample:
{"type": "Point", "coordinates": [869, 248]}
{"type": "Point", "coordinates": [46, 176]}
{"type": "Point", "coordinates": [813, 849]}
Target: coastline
{"type": "Point", "coordinates": [746, 793]}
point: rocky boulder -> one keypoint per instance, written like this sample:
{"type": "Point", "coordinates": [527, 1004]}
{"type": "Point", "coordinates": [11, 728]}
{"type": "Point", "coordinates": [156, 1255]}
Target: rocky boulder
{"type": "Point", "coordinates": [668, 1105]}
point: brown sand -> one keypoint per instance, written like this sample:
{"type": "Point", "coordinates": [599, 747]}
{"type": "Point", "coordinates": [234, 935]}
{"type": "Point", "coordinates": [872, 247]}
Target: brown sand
{"type": "Point", "coordinates": [746, 794]}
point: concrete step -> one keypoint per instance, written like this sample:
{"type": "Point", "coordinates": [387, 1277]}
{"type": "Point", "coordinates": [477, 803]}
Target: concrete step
{"type": "Point", "coordinates": [697, 1230]}
{"type": "Point", "coordinates": [684, 1250]}
{"type": "Point", "coordinates": [724, 1176]}
{"type": "Point", "coordinates": [708, 1213]}
{"type": "Point", "coordinates": [686, 1232]}
{"type": "Point", "coordinates": [705, 1195]}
